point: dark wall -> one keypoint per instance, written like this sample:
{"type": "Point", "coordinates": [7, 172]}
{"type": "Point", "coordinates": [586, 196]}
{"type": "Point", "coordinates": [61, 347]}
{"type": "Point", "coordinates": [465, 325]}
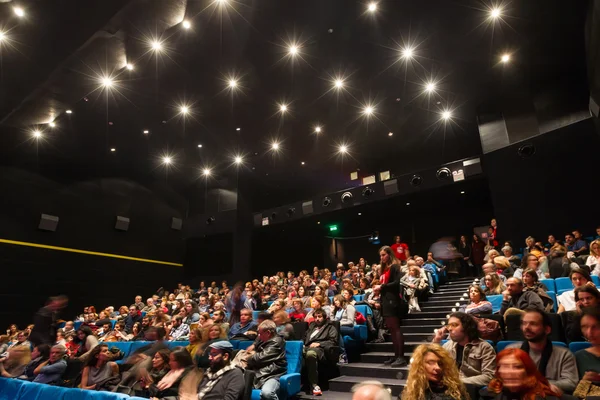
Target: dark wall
{"type": "Point", "coordinates": [553, 191]}
{"type": "Point", "coordinates": [87, 210]}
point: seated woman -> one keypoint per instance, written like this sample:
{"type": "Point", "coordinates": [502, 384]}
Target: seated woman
{"type": "Point", "coordinates": [205, 321]}
{"type": "Point", "coordinates": [588, 360]}
{"type": "Point", "coordinates": [299, 313]}
{"type": "Point", "coordinates": [503, 266]}
{"type": "Point", "coordinates": [160, 367]}
{"type": "Point", "coordinates": [277, 305]}
{"type": "Point", "coordinates": [517, 378]}
{"type": "Point", "coordinates": [87, 341]}
{"type": "Point", "coordinates": [14, 365]}
{"type": "Point", "coordinates": [364, 286]}
{"type": "Point", "coordinates": [593, 260]}
{"type": "Point", "coordinates": [413, 284]}
{"type": "Point", "coordinates": [317, 302]}
{"type": "Point", "coordinates": [531, 283]}
{"type": "Point", "coordinates": [12, 332]}
{"type": "Point", "coordinates": [180, 363]}
{"type": "Point", "coordinates": [585, 296]}
{"type": "Point", "coordinates": [478, 304]}
{"type": "Point", "coordinates": [98, 370]}
{"type": "Point", "coordinates": [348, 295]}
{"type": "Point", "coordinates": [433, 374]}
{"type": "Point", "coordinates": [493, 285]}
{"type": "Point", "coordinates": [191, 312]}
{"type": "Point", "coordinates": [302, 295]}
{"type": "Point", "coordinates": [215, 334]}
{"type": "Point", "coordinates": [579, 277]}
{"type": "Point", "coordinates": [284, 328]}
{"type": "Point", "coordinates": [39, 355]}
{"type": "Point", "coordinates": [195, 338]}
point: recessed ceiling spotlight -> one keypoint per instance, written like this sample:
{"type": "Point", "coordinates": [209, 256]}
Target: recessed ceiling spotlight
{"type": "Point", "coordinates": [184, 110]}
{"type": "Point", "coordinates": [495, 13]}
{"type": "Point", "coordinates": [238, 129]}
{"type": "Point", "coordinates": [368, 110]}
{"type": "Point", "coordinates": [318, 129]}
{"type": "Point", "coordinates": [52, 124]}
{"type": "Point", "coordinates": [339, 83]}
{"type": "Point", "coordinates": [156, 45]}
{"type": "Point", "coordinates": [408, 53]}
{"type": "Point", "coordinates": [372, 7]}
{"type": "Point", "coordinates": [238, 160]}
{"type": "Point", "coordinates": [206, 172]}
{"type": "Point", "coordinates": [505, 58]}
{"type": "Point", "coordinates": [199, 146]}
{"type": "Point", "coordinates": [107, 82]}
{"type": "Point", "coordinates": [430, 87]}
{"type": "Point", "coordinates": [283, 108]}
{"type": "Point", "coordinates": [343, 149]}
{"type": "Point", "coordinates": [19, 12]}
{"type": "Point", "coordinates": [302, 163]}
{"type": "Point", "coordinates": [186, 24]}
{"type": "Point", "coordinates": [129, 67]}
{"type": "Point", "coordinates": [390, 134]}
{"type": "Point", "coordinates": [69, 112]}
{"type": "Point", "coordinates": [446, 115]}
{"type": "Point", "coordinates": [2, 36]}
{"type": "Point", "coordinates": [167, 160]}
{"type": "Point", "coordinates": [462, 192]}
{"type": "Point", "coordinates": [146, 132]}
{"type": "Point", "coordinates": [37, 134]}
{"type": "Point", "coordinates": [113, 150]}
{"type": "Point", "coordinates": [232, 83]}
{"type": "Point", "coordinates": [408, 204]}
{"type": "Point", "coordinates": [275, 146]}
{"type": "Point", "coordinates": [293, 50]}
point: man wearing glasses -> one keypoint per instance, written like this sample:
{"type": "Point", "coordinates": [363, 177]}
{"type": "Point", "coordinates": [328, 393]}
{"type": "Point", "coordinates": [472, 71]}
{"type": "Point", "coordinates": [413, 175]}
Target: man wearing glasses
{"type": "Point", "coordinates": [222, 380]}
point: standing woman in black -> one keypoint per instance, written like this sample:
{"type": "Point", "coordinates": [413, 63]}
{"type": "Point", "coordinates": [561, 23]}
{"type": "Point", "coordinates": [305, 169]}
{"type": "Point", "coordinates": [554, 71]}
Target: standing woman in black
{"type": "Point", "coordinates": [393, 307]}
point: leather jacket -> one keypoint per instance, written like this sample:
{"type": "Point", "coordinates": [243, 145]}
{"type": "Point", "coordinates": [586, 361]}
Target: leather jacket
{"type": "Point", "coordinates": [268, 360]}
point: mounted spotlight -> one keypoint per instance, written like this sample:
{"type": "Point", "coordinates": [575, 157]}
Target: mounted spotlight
{"type": "Point", "coordinates": [210, 220]}
{"type": "Point", "coordinates": [526, 151]}
{"type": "Point", "coordinates": [290, 212]}
{"type": "Point", "coordinates": [416, 180]}
{"type": "Point", "coordinates": [326, 201]}
{"type": "Point", "coordinates": [346, 197]}
{"type": "Point", "coordinates": [273, 216]}
{"type": "Point", "coordinates": [443, 173]}
{"type": "Point", "coordinates": [367, 192]}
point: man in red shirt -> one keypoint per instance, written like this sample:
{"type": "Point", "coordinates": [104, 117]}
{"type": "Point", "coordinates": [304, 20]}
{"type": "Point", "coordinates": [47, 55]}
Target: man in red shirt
{"type": "Point", "coordinates": [400, 249]}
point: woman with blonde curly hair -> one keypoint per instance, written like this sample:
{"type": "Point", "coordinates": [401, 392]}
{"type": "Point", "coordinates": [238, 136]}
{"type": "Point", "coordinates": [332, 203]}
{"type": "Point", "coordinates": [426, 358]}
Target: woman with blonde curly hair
{"type": "Point", "coordinates": [493, 285]}
{"type": "Point", "coordinates": [433, 375]}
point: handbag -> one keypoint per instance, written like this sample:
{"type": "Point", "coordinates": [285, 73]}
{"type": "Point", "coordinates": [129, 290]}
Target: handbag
{"type": "Point", "coordinates": [586, 388]}
{"type": "Point", "coordinates": [488, 329]}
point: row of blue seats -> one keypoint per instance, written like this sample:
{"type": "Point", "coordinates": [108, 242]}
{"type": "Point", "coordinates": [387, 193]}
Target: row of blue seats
{"type": "Point", "coordinates": [561, 285]}
{"type": "Point", "coordinates": [15, 389]}
{"type": "Point", "coordinates": [496, 301]}
{"type": "Point", "coordinates": [502, 344]}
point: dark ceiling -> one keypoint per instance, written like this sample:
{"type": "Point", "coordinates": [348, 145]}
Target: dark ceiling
{"type": "Point", "coordinates": [54, 57]}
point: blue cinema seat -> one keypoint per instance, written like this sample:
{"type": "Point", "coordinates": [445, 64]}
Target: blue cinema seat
{"type": "Point", "coordinates": [10, 388]}
{"type": "Point", "coordinates": [501, 345]}
{"type": "Point", "coordinates": [596, 280]}
{"type": "Point", "coordinates": [80, 394]}
{"type": "Point", "coordinates": [290, 382]}
{"type": "Point", "coordinates": [359, 297]}
{"type": "Point", "coordinates": [496, 301]}
{"type": "Point", "coordinates": [549, 284]}
{"type": "Point", "coordinates": [178, 343]}
{"type": "Point", "coordinates": [576, 346]}
{"type": "Point", "coordinates": [563, 284]}
{"type": "Point", "coordinates": [40, 391]}
{"type": "Point", "coordinates": [553, 297]}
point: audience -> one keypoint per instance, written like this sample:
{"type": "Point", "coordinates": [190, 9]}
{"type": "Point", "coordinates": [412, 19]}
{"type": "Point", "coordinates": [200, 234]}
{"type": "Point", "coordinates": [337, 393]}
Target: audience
{"type": "Point", "coordinates": [556, 363]}
{"type": "Point", "coordinates": [222, 379]}
{"type": "Point", "coordinates": [433, 375]}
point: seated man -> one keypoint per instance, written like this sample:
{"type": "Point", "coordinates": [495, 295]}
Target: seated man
{"type": "Point", "coordinates": [320, 337]}
{"type": "Point", "coordinates": [139, 303]}
{"type": "Point", "coordinates": [268, 360]}
{"type": "Point", "coordinates": [69, 328]}
{"type": "Point", "coordinates": [556, 363]}
{"type": "Point", "coordinates": [203, 305]}
{"type": "Point", "coordinates": [150, 307]}
{"type": "Point", "coordinates": [219, 319]}
{"type": "Point", "coordinates": [222, 380]}
{"type": "Point", "coordinates": [180, 331]}
{"type": "Point", "coordinates": [52, 370]}
{"type": "Point", "coordinates": [476, 358]}
{"type": "Point", "coordinates": [246, 328]}
{"type": "Point", "coordinates": [515, 300]}
{"type": "Point", "coordinates": [132, 318]}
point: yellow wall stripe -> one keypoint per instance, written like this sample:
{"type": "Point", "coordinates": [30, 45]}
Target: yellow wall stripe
{"type": "Point", "coordinates": [91, 253]}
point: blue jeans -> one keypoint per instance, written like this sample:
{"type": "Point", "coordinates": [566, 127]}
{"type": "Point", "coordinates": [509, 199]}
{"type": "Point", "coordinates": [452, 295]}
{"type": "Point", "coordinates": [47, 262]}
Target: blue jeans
{"type": "Point", "coordinates": [269, 389]}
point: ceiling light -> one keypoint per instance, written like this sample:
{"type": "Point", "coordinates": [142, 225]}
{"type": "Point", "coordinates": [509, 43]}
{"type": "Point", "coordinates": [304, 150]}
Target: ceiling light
{"type": "Point", "coordinates": [156, 45]}
{"type": "Point", "coordinates": [69, 112]}
{"type": "Point", "coordinates": [446, 115]}
{"type": "Point", "coordinates": [372, 7]}
{"type": "Point", "coordinates": [293, 50]}
{"type": "Point", "coordinates": [283, 108]}
{"type": "Point", "coordinates": [408, 204]}
{"type": "Point", "coordinates": [462, 192]}
{"type": "Point", "coordinates": [146, 132]}
{"type": "Point", "coordinates": [199, 146]}
{"type": "Point", "coordinates": [2, 36]}
{"type": "Point", "coordinates": [184, 110]}
{"type": "Point", "coordinates": [318, 129]}
{"type": "Point", "coordinates": [343, 149]}
{"type": "Point", "coordinates": [19, 12]}
{"type": "Point", "coordinates": [495, 13]}
{"type": "Point", "coordinates": [275, 146]}
{"type": "Point", "coordinates": [430, 87]}
{"type": "Point", "coordinates": [302, 163]}
{"type": "Point", "coordinates": [390, 134]}
{"type": "Point", "coordinates": [36, 134]}
{"type": "Point", "coordinates": [113, 150]}
{"type": "Point", "coordinates": [52, 124]}
{"type": "Point", "coordinates": [206, 171]}
{"type": "Point", "coordinates": [505, 58]}
{"type": "Point", "coordinates": [408, 53]}
{"type": "Point", "coordinates": [167, 160]}
{"type": "Point", "coordinates": [339, 83]}
{"type": "Point", "coordinates": [233, 83]}
{"type": "Point", "coordinates": [238, 129]}
{"type": "Point", "coordinates": [368, 110]}
{"type": "Point", "coordinates": [186, 24]}
{"type": "Point", "coordinates": [129, 67]}
{"type": "Point", "coordinates": [238, 160]}
{"type": "Point", "coordinates": [106, 82]}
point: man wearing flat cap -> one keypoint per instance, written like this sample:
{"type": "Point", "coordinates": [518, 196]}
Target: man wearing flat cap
{"type": "Point", "coordinates": [222, 379]}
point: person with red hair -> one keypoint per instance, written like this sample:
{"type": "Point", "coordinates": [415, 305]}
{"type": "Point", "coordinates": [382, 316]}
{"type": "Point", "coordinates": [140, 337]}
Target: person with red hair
{"type": "Point", "coordinates": [517, 377]}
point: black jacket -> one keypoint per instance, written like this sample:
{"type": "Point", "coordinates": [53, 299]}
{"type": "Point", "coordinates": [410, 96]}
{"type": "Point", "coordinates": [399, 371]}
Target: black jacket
{"type": "Point", "coordinates": [268, 360]}
{"type": "Point", "coordinates": [391, 303]}
{"type": "Point", "coordinates": [327, 337]}
{"type": "Point", "coordinates": [44, 329]}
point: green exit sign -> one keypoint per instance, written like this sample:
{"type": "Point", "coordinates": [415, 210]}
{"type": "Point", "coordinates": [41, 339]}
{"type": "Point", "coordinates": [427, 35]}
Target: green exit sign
{"type": "Point", "coordinates": [332, 228]}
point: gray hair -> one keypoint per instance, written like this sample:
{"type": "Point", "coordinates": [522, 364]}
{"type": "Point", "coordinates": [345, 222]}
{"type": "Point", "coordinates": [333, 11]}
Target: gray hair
{"type": "Point", "coordinates": [268, 325]}
{"type": "Point", "coordinates": [382, 393]}
{"type": "Point", "coordinates": [61, 348]}
{"type": "Point", "coordinates": [507, 248]}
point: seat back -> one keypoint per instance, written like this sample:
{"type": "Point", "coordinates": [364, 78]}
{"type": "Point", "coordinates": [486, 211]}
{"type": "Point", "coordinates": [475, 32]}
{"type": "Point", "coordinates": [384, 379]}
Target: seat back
{"type": "Point", "coordinates": [39, 391]}
{"type": "Point", "coordinates": [178, 343]}
{"type": "Point", "coordinates": [10, 388]}
{"type": "Point", "coordinates": [553, 297]}
{"type": "Point", "coordinates": [563, 284]}
{"type": "Point", "coordinates": [293, 354]}
{"type": "Point", "coordinates": [359, 297]}
{"type": "Point", "coordinates": [576, 346]}
{"type": "Point", "coordinates": [496, 301]}
{"type": "Point", "coordinates": [501, 345]}
{"type": "Point", "coordinates": [596, 280]}
{"type": "Point", "coordinates": [549, 284]}
{"type": "Point", "coordinates": [244, 344]}
{"type": "Point", "coordinates": [137, 345]}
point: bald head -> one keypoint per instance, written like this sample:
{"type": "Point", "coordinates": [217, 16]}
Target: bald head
{"type": "Point", "coordinates": [370, 390]}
